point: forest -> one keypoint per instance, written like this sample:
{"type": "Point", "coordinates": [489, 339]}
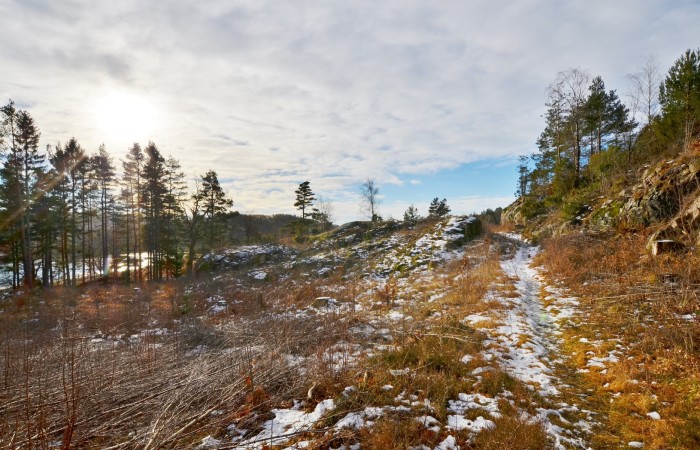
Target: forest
{"type": "Point", "coordinates": [70, 217]}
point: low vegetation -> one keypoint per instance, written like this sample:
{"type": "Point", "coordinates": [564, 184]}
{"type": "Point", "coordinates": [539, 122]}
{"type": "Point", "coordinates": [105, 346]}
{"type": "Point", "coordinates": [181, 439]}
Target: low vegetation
{"type": "Point", "coordinates": [647, 310]}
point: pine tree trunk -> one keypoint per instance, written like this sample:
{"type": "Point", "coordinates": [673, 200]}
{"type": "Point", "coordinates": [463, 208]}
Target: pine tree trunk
{"type": "Point", "coordinates": [105, 236]}
{"type": "Point", "coordinates": [46, 265]}
{"type": "Point", "coordinates": [128, 248]}
{"type": "Point", "coordinates": [74, 231]}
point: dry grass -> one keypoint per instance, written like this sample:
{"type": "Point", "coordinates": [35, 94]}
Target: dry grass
{"type": "Point", "coordinates": [513, 433]}
{"type": "Point", "coordinates": [74, 377]}
{"type": "Point", "coordinates": [431, 352]}
{"type": "Point", "coordinates": [91, 367]}
{"type": "Point", "coordinates": [627, 302]}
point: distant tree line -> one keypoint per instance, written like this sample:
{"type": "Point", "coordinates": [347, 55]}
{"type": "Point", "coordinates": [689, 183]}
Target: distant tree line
{"type": "Point", "coordinates": [68, 218]}
{"type": "Point", "coordinates": [592, 137]}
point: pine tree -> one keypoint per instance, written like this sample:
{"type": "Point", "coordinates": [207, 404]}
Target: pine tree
{"type": "Point", "coordinates": [411, 216]}
{"type": "Point", "coordinates": [194, 221]}
{"type": "Point", "coordinates": [61, 189]}
{"type": "Point", "coordinates": [304, 200]}
{"type": "Point", "coordinates": [438, 208]}
{"type": "Point", "coordinates": [214, 202]}
{"type": "Point", "coordinates": [606, 116]}
{"type": "Point", "coordinates": [72, 165]}
{"type": "Point", "coordinates": [24, 169]}
{"type": "Point", "coordinates": [132, 182]}
{"type": "Point", "coordinates": [87, 198]}
{"type": "Point", "coordinates": [523, 176]}
{"type": "Point", "coordinates": [126, 197]}
{"type": "Point", "coordinates": [153, 203]}
{"type": "Point", "coordinates": [11, 190]}
{"type": "Point", "coordinates": [47, 207]}
{"type": "Point", "coordinates": [679, 96]}
{"type": "Point", "coordinates": [172, 212]}
{"type": "Point", "coordinates": [104, 173]}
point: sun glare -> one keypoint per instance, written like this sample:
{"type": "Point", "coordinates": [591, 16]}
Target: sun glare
{"type": "Point", "coordinates": [125, 116]}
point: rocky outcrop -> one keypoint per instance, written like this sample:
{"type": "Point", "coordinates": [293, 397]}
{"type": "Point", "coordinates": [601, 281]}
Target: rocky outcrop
{"type": "Point", "coordinates": [513, 215]}
{"type": "Point", "coordinates": [247, 256]}
{"type": "Point", "coordinates": [463, 228]}
{"type": "Point", "coordinates": [684, 226]}
{"type": "Point", "coordinates": [662, 193]}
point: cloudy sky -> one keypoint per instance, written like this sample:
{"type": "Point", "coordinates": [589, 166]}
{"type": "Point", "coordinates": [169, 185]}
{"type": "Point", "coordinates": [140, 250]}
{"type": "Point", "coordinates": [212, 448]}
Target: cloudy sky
{"type": "Point", "coordinates": [431, 99]}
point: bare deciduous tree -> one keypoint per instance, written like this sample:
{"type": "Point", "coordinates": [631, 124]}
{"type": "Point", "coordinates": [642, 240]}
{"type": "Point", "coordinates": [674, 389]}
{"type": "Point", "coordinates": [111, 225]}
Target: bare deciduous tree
{"type": "Point", "coordinates": [370, 199]}
{"type": "Point", "coordinates": [644, 90]}
{"type": "Point", "coordinates": [569, 92]}
{"type": "Point", "coordinates": [323, 212]}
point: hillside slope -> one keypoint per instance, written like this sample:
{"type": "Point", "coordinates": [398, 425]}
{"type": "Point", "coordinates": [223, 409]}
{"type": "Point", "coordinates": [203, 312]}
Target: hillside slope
{"type": "Point", "coordinates": [628, 250]}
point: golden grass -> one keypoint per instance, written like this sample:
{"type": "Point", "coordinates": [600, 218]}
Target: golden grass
{"type": "Point", "coordinates": [624, 297]}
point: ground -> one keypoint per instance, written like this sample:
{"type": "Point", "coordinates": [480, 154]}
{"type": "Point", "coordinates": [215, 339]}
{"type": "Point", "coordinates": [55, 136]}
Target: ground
{"type": "Point", "coordinates": [368, 337]}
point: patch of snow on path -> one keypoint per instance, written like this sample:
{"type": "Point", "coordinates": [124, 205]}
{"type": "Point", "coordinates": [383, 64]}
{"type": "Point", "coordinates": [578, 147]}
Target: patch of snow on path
{"type": "Point", "coordinates": [525, 344]}
{"type": "Point", "coordinates": [528, 361]}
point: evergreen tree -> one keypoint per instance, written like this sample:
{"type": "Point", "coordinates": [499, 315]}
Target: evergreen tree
{"type": "Point", "coordinates": [73, 164]}
{"type": "Point", "coordinates": [679, 96]}
{"type": "Point", "coordinates": [194, 224]}
{"type": "Point", "coordinates": [61, 188]}
{"type": "Point", "coordinates": [411, 216]}
{"type": "Point", "coordinates": [214, 202]}
{"type": "Point", "coordinates": [126, 197]}
{"type": "Point", "coordinates": [438, 208]}
{"type": "Point", "coordinates": [305, 198]}
{"type": "Point", "coordinates": [172, 214]}
{"type": "Point", "coordinates": [154, 191]}
{"type": "Point", "coordinates": [132, 182]}
{"type": "Point", "coordinates": [47, 217]}
{"type": "Point", "coordinates": [21, 173]}
{"type": "Point", "coordinates": [87, 197]}
{"type": "Point", "coordinates": [11, 190]}
{"type": "Point", "coordinates": [523, 175]}
{"type": "Point", "coordinates": [104, 173]}
{"type": "Point", "coordinates": [606, 117]}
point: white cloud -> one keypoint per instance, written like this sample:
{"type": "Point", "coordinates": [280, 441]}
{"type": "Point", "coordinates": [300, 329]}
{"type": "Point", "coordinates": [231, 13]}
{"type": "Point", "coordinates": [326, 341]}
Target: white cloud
{"type": "Point", "coordinates": [270, 94]}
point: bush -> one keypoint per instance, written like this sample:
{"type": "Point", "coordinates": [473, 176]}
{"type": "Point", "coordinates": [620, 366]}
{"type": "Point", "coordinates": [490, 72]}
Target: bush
{"type": "Point", "coordinates": [533, 207]}
{"type": "Point", "coordinates": [577, 204]}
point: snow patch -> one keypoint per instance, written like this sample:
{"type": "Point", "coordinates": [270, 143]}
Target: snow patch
{"type": "Point", "coordinates": [287, 421]}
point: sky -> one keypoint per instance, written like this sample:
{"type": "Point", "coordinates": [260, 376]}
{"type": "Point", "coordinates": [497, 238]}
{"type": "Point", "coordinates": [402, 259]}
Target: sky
{"type": "Point", "coordinates": [429, 99]}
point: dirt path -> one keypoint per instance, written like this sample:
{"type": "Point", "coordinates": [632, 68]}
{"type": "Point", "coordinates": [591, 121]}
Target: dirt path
{"type": "Point", "coordinates": [524, 342]}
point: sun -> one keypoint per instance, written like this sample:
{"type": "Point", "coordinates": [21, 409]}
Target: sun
{"type": "Point", "coordinates": [125, 116]}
